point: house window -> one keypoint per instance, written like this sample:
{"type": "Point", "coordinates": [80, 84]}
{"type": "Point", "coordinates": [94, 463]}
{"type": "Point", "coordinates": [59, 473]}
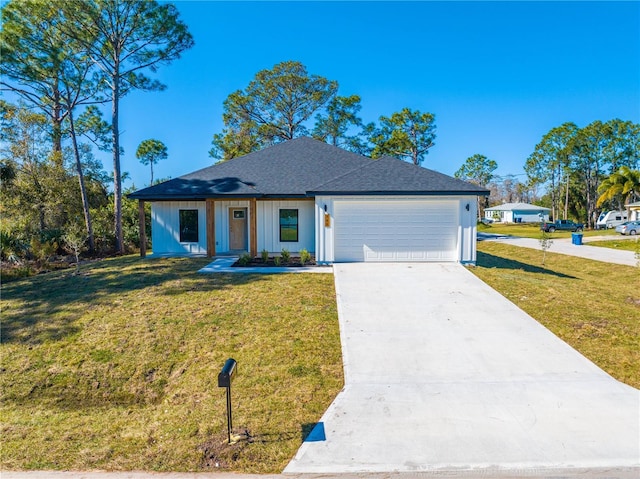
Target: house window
{"type": "Point", "coordinates": [288, 226]}
{"type": "Point", "coordinates": [188, 226]}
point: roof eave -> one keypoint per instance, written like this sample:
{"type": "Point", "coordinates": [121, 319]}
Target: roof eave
{"type": "Point", "coordinates": [398, 193]}
{"type": "Point", "coordinates": [201, 197]}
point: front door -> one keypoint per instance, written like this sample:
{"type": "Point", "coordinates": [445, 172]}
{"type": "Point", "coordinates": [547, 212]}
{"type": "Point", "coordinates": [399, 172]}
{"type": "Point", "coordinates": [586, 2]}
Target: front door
{"type": "Point", "coordinates": [238, 229]}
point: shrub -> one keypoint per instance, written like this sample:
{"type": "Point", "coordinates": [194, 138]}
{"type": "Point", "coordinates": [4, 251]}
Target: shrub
{"type": "Point", "coordinates": [11, 248]}
{"type": "Point", "coordinates": [245, 259]}
{"type": "Point", "coordinates": [265, 255]}
{"type": "Point", "coordinates": [276, 260]}
{"type": "Point", "coordinates": [305, 256]}
{"type": "Point", "coordinates": [43, 250]}
{"type": "Point", "coordinates": [285, 255]}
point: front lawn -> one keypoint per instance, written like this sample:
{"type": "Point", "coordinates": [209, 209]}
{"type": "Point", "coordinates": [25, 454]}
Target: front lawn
{"type": "Point", "coordinates": [593, 306]}
{"type": "Point", "coordinates": [627, 243]}
{"type": "Point", "coordinates": [116, 368]}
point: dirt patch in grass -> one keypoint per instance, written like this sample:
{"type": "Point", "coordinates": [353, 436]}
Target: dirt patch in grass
{"type": "Point", "coordinates": [116, 368]}
{"type": "Point", "coordinates": [593, 306]}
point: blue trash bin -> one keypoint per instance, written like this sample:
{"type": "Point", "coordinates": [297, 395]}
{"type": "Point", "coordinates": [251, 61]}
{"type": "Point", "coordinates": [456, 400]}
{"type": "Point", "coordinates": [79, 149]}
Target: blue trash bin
{"type": "Point", "coordinates": [576, 238]}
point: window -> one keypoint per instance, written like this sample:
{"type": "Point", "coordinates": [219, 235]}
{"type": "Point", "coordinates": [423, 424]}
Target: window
{"type": "Point", "coordinates": [288, 226]}
{"type": "Point", "coordinates": [188, 226]}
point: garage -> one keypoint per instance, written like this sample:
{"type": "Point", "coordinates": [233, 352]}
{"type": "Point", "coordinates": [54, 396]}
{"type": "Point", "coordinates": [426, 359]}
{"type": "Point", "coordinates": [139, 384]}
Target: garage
{"type": "Point", "coordinates": [396, 230]}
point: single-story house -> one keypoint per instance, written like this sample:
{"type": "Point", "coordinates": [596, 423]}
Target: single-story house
{"type": "Point", "coordinates": [306, 194]}
{"type": "Point", "coordinates": [517, 213]}
{"type": "Point", "coordinates": [633, 210]}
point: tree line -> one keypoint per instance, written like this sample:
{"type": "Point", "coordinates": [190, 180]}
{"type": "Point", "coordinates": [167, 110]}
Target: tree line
{"type": "Point", "coordinates": [585, 170]}
{"type": "Point", "coordinates": [286, 102]}
{"type": "Point", "coordinates": [576, 172]}
{"type": "Point", "coordinates": [61, 58]}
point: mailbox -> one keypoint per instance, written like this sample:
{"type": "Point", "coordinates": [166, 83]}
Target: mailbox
{"type": "Point", "coordinates": [224, 381]}
{"type": "Point", "coordinates": [226, 375]}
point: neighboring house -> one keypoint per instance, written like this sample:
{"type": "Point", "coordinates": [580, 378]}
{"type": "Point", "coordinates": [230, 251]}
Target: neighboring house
{"type": "Point", "coordinates": [517, 213]}
{"type": "Point", "coordinates": [306, 194]}
{"type": "Point", "coordinates": [634, 211]}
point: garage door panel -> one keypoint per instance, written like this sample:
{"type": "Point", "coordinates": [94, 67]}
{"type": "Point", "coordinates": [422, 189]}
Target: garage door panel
{"type": "Point", "coordinates": [396, 230]}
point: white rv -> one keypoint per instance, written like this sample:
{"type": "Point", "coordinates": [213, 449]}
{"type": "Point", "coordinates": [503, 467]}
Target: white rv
{"type": "Point", "coordinates": [610, 219]}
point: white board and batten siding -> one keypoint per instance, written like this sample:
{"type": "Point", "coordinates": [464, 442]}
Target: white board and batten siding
{"type": "Point", "coordinates": [165, 228]}
{"type": "Point", "coordinates": [399, 229]}
{"type": "Point", "coordinates": [269, 226]}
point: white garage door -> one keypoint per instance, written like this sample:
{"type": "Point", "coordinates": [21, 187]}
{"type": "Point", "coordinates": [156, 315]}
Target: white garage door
{"type": "Point", "coordinates": [388, 230]}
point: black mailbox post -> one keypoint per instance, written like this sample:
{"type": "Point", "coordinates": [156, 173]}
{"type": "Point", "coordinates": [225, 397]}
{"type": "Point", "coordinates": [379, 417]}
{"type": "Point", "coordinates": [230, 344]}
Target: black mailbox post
{"type": "Point", "coordinates": [224, 381]}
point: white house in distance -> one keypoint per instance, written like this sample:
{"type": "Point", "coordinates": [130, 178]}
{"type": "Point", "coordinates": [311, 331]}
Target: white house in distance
{"type": "Point", "coordinates": [306, 194]}
{"type": "Point", "coordinates": [517, 213]}
{"type": "Point", "coordinates": [633, 210]}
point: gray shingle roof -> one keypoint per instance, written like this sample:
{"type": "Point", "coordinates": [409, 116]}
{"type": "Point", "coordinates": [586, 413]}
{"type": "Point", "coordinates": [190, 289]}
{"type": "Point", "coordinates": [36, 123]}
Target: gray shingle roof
{"type": "Point", "coordinates": [388, 175]}
{"type": "Point", "coordinates": [517, 206]}
{"type": "Point", "coordinates": [305, 167]}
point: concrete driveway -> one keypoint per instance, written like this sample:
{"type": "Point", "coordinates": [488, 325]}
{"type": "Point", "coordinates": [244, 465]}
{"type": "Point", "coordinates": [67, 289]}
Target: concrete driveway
{"type": "Point", "coordinates": [444, 374]}
{"type": "Point", "coordinates": [564, 246]}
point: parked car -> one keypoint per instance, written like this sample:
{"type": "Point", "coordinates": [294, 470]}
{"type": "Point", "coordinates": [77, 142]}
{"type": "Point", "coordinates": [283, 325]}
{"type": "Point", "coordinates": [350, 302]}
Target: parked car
{"type": "Point", "coordinates": [561, 225]}
{"type": "Point", "coordinates": [629, 228]}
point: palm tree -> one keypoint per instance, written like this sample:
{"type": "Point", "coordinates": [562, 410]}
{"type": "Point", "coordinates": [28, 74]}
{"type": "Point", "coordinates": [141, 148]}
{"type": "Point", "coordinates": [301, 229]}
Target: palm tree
{"type": "Point", "coordinates": [623, 184]}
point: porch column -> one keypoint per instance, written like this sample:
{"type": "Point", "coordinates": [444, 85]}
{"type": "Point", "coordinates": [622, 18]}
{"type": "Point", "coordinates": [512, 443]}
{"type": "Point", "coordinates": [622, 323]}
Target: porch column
{"type": "Point", "coordinates": [253, 228]}
{"type": "Point", "coordinates": [211, 227]}
{"type": "Point", "coordinates": [142, 229]}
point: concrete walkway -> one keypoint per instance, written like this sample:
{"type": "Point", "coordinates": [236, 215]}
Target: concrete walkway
{"type": "Point", "coordinates": [225, 265]}
{"type": "Point", "coordinates": [445, 376]}
{"type": "Point", "coordinates": [564, 246]}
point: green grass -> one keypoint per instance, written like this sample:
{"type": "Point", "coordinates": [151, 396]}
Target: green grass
{"type": "Point", "coordinates": [116, 368]}
{"type": "Point", "coordinates": [593, 306]}
{"type": "Point", "coordinates": [625, 243]}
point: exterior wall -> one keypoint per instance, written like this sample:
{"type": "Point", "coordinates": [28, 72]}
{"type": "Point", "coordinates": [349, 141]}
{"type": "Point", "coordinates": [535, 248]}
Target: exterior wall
{"type": "Point", "coordinates": [529, 216]}
{"type": "Point", "coordinates": [633, 211]}
{"type": "Point", "coordinates": [467, 236]}
{"type": "Point", "coordinates": [165, 225]}
{"type": "Point", "coordinates": [325, 252]}
{"type": "Point", "coordinates": [269, 226]}
{"type": "Point", "coordinates": [511, 216]}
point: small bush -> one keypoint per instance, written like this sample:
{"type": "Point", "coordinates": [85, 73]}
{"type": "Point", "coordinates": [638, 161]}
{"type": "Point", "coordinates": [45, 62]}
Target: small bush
{"type": "Point", "coordinates": [245, 259]}
{"type": "Point", "coordinates": [265, 255]}
{"type": "Point", "coordinates": [276, 260]}
{"type": "Point", "coordinates": [305, 256]}
{"type": "Point", "coordinates": [285, 255]}
{"type": "Point", "coordinates": [11, 247]}
{"type": "Point", "coordinates": [43, 250]}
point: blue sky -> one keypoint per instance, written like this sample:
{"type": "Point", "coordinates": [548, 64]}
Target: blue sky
{"type": "Point", "coordinates": [497, 75]}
